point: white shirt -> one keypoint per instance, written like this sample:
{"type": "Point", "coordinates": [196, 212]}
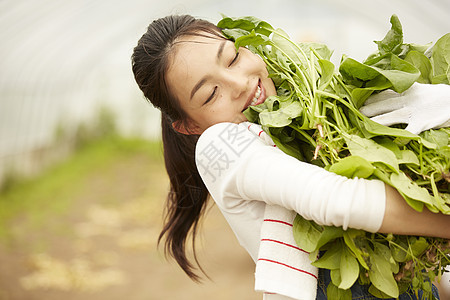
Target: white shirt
{"type": "Point", "coordinates": [243, 174]}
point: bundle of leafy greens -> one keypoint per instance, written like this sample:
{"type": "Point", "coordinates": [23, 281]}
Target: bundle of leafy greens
{"type": "Point", "coordinates": [315, 118]}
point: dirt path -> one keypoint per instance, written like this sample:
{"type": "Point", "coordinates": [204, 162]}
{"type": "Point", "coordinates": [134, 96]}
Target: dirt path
{"type": "Point", "coordinates": [104, 247]}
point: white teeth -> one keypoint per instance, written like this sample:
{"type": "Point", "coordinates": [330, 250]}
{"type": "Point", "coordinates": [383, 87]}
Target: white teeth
{"type": "Point", "coordinates": [257, 94]}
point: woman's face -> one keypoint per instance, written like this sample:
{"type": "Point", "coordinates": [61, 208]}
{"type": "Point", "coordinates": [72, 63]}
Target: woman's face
{"type": "Point", "coordinates": [214, 83]}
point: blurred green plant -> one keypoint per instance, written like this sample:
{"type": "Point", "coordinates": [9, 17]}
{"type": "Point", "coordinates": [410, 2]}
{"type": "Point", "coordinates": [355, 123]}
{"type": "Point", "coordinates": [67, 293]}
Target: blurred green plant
{"type": "Point", "coordinates": [104, 125]}
{"type": "Point", "coordinates": [36, 201]}
{"type": "Point", "coordinates": [10, 179]}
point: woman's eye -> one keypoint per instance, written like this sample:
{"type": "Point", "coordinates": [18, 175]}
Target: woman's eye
{"type": "Point", "coordinates": [211, 96]}
{"type": "Point", "coordinates": [234, 59]}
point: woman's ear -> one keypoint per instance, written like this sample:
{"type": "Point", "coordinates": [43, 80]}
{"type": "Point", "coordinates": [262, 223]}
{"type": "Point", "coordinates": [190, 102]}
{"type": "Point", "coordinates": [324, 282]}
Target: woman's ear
{"type": "Point", "coordinates": [186, 127]}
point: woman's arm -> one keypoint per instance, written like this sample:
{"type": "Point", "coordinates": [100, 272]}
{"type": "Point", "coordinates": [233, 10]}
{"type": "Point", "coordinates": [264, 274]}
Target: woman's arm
{"type": "Point", "coordinates": [400, 218]}
{"type": "Point", "coordinates": [237, 166]}
{"type": "Point", "coordinates": [422, 106]}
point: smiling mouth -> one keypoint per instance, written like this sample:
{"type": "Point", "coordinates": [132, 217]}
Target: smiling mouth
{"type": "Point", "coordinates": [258, 97]}
{"type": "Point", "coordinates": [257, 94]}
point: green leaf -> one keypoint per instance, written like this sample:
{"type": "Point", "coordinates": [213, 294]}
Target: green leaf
{"type": "Point", "coordinates": [440, 58]}
{"type": "Point", "coordinates": [251, 114]}
{"type": "Point", "coordinates": [335, 293]}
{"type": "Point", "coordinates": [377, 293]}
{"type": "Point", "coordinates": [235, 33]}
{"type": "Point", "coordinates": [382, 61]}
{"type": "Point", "coordinates": [331, 259]}
{"type": "Point", "coordinates": [242, 23]}
{"type": "Point", "coordinates": [252, 39]}
{"type": "Point", "coordinates": [327, 72]}
{"type": "Point", "coordinates": [353, 166]}
{"type": "Point", "coordinates": [321, 49]}
{"type": "Point", "coordinates": [272, 102]}
{"type": "Point", "coordinates": [248, 23]}
{"type": "Point", "coordinates": [442, 78]}
{"type": "Point", "coordinates": [371, 151]}
{"type": "Point", "coordinates": [385, 251]}
{"type": "Point", "coordinates": [360, 95]}
{"type": "Point", "coordinates": [335, 276]}
{"type": "Point", "coordinates": [282, 41]}
{"type": "Point", "coordinates": [306, 233]}
{"type": "Point", "coordinates": [281, 117]}
{"type": "Point", "coordinates": [351, 238]}
{"type": "Point", "coordinates": [286, 147]}
{"type": "Point", "coordinates": [418, 246]}
{"type": "Point", "coordinates": [378, 129]}
{"type": "Point", "coordinates": [329, 234]}
{"type": "Point", "coordinates": [408, 157]}
{"type": "Point", "coordinates": [381, 276]}
{"type": "Point", "coordinates": [422, 63]}
{"type": "Point", "coordinates": [393, 39]}
{"type": "Point", "coordinates": [389, 144]}
{"type": "Point", "coordinates": [354, 70]}
{"type": "Point", "coordinates": [426, 286]}
{"type": "Point", "coordinates": [438, 137]}
{"type": "Point", "coordinates": [417, 48]}
{"type": "Point", "coordinates": [415, 282]}
{"type": "Point", "coordinates": [399, 250]}
{"type": "Point", "coordinates": [402, 74]}
{"type": "Point", "coordinates": [410, 189]}
{"type": "Point", "coordinates": [349, 269]}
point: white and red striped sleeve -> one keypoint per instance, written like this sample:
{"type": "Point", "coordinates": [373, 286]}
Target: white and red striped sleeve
{"type": "Point", "coordinates": [283, 269]}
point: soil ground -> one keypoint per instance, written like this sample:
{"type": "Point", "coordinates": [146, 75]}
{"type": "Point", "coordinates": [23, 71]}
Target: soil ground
{"type": "Point", "coordinates": [101, 242]}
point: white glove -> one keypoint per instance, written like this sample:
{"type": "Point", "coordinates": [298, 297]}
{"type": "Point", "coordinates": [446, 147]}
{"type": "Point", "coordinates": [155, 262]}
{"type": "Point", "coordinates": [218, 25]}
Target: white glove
{"type": "Point", "coordinates": [422, 107]}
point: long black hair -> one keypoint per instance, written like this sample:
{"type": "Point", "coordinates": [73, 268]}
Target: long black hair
{"type": "Point", "coordinates": [187, 198]}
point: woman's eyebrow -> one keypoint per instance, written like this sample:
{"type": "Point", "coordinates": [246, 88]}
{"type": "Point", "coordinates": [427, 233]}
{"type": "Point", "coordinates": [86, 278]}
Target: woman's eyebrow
{"type": "Point", "coordinates": [205, 78]}
{"type": "Point", "coordinates": [199, 85]}
{"type": "Point", "coordinates": [220, 51]}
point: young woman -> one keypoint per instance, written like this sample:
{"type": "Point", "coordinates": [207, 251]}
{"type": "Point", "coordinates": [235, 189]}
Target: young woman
{"type": "Point", "coordinates": [201, 84]}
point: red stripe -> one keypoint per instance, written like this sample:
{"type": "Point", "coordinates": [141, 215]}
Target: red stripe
{"type": "Point", "coordinates": [285, 244]}
{"type": "Point", "coordinates": [280, 263]}
{"type": "Point", "coordinates": [248, 127]}
{"type": "Point", "coordinates": [259, 134]}
{"type": "Point", "coordinates": [277, 221]}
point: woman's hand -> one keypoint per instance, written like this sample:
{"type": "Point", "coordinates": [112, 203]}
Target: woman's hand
{"type": "Point", "coordinates": [422, 107]}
